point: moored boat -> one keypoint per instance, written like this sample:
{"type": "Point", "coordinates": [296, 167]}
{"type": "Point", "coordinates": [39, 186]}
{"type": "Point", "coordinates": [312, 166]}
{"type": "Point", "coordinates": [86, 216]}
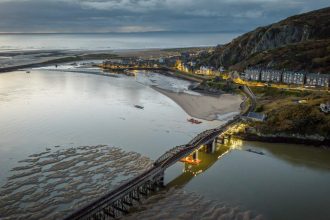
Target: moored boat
{"type": "Point", "coordinates": [194, 121]}
{"type": "Point", "coordinates": [139, 106]}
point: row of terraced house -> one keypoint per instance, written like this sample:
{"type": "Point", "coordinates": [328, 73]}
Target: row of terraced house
{"type": "Point", "coordinates": [287, 77]}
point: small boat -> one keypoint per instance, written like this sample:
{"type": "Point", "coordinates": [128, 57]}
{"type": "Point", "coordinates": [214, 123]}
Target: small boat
{"type": "Point", "coordinates": [256, 152]}
{"type": "Point", "coordinates": [193, 121]}
{"type": "Point", "coordinates": [27, 71]}
{"type": "Point", "coordinates": [139, 106]}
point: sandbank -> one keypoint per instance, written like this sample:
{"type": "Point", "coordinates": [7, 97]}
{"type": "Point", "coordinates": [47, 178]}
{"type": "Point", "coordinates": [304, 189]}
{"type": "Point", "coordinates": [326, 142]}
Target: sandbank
{"type": "Point", "coordinates": [203, 106]}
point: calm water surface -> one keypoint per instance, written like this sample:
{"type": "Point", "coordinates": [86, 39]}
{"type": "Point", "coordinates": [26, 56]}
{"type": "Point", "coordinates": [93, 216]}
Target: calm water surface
{"type": "Point", "coordinates": [47, 108]}
{"type": "Point", "coordinates": [111, 41]}
{"type": "Point", "coordinates": [287, 182]}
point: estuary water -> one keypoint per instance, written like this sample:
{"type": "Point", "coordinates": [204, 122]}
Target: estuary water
{"type": "Point", "coordinates": [45, 108]}
{"type": "Point", "coordinates": [111, 41]}
{"type": "Point", "coordinates": [55, 125]}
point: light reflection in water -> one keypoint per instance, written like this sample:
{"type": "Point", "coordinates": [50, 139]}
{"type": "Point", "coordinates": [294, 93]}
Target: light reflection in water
{"type": "Point", "coordinates": [206, 160]}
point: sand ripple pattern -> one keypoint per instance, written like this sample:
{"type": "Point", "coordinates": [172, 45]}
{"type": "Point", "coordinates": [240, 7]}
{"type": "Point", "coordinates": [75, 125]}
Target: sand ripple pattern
{"type": "Point", "coordinates": [49, 185]}
{"type": "Point", "coordinates": [179, 204]}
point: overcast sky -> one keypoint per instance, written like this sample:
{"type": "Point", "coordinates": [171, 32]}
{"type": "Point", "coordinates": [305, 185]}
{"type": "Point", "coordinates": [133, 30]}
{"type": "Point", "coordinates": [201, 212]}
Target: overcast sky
{"type": "Point", "coordinates": [147, 15]}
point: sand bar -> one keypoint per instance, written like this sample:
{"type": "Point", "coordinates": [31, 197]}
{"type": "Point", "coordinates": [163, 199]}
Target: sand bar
{"type": "Point", "coordinates": [204, 107]}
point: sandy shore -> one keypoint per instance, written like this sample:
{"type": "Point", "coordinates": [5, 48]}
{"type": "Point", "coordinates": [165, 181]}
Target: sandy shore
{"type": "Point", "coordinates": [180, 204]}
{"type": "Point", "coordinates": [204, 107]}
{"type": "Point", "coordinates": [13, 60]}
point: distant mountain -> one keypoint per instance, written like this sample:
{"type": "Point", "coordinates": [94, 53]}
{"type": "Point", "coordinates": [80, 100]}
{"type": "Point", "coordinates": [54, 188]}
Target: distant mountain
{"type": "Point", "coordinates": [300, 42]}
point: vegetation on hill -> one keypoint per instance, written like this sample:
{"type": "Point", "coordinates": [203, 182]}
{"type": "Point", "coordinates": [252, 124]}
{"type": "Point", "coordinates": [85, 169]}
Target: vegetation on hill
{"type": "Point", "coordinates": [220, 84]}
{"type": "Point", "coordinates": [292, 112]}
{"type": "Point", "coordinates": [300, 42]}
{"type": "Point", "coordinates": [310, 56]}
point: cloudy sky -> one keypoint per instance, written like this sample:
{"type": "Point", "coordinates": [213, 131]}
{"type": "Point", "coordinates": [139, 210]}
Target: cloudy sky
{"type": "Point", "coordinates": [147, 15]}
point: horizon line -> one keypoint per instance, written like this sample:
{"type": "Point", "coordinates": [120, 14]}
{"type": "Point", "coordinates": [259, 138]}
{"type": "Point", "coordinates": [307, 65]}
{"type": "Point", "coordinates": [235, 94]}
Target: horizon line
{"type": "Point", "coordinates": [134, 32]}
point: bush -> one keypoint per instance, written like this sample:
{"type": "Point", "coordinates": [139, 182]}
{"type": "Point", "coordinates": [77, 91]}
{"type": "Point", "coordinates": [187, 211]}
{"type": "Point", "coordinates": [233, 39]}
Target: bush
{"type": "Point", "coordinates": [259, 108]}
{"type": "Point", "coordinates": [302, 119]}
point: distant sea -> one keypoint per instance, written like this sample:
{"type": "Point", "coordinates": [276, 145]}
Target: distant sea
{"type": "Point", "coordinates": [111, 41]}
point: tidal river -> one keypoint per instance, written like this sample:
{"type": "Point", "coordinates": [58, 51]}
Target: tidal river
{"type": "Point", "coordinates": [66, 138]}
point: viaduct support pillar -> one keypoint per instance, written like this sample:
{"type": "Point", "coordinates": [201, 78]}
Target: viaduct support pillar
{"type": "Point", "coordinates": [195, 155]}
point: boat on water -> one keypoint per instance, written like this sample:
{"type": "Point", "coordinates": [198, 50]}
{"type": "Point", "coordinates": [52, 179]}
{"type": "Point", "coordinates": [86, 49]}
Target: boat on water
{"type": "Point", "coordinates": [193, 121]}
{"type": "Point", "coordinates": [256, 152]}
{"type": "Point", "coordinates": [139, 106]}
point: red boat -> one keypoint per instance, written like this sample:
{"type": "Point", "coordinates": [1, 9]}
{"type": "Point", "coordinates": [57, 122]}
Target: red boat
{"type": "Point", "coordinates": [194, 121]}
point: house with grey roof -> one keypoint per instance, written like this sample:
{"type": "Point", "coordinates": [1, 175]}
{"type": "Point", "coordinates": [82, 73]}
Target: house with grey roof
{"type": "Point", "coordinates": [313, 79]}
{"type": "Point", "coordinates": [290, 77]}
{"type": "Point", "coordinates": [255, 116]}
{"type": "Point", "coordinates": [269, 75]}
{"type": "Point", "coordinates": [252, 74]}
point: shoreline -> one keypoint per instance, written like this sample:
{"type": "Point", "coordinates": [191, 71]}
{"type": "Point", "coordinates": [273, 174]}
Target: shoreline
{"type": "Point", "coordinates": [19, 59]}
{"type": "Point", "coordinates": [284, 139]}
{"type": "Point", "coordinates": [204, 107]}
{"type": "Point", "coordinates": [26, 59]}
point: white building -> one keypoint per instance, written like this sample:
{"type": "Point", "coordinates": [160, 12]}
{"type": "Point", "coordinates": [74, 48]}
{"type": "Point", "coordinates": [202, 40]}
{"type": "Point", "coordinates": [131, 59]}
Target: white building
{"type": "Point", "coordinates": [290, 77]}
{"type": "Point", "coordinates": [252, 74]}
{"type": "Point", "coordinates": [313, 79]}
{"type": "Point", "coordinates": [269, 75]}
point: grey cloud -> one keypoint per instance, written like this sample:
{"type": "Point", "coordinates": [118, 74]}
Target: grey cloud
{"type": "Point", "coordinates": [146, 15]}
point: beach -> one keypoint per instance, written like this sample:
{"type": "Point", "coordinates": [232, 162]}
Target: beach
{"type": "Point", "coordinates": [204, 107]}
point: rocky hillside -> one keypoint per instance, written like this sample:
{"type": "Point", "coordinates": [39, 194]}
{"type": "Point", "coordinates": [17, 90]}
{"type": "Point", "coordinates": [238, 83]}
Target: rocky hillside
{"type": "Point", "coordinates": [300, 42]}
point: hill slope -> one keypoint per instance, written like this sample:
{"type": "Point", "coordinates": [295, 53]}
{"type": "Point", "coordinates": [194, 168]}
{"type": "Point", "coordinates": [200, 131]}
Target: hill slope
{"type": "Point", "coordinates": [300, 42]}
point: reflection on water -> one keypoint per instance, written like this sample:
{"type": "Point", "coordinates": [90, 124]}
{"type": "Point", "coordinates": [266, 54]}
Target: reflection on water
{"type": "Point", "coordinates": [280, 184]}
{"type": "Point", "coordinates": [296, 155]}
{"type": "Point", "coordinates": [207, 159]}
{"type": "Point", "coordinates": [180, 204]}
{"type": "Point", "coordinates": [46, 108]}
{"type": "Point", "coordinates": [177, 203]}
{"type": "Point", "coordinates": [110, 41]}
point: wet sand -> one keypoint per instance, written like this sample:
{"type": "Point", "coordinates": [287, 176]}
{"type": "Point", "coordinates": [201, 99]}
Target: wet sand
{"type": "Point", "coordinates": [13, 60]}
{"type": "Point", "coordinates": [179, 204]}
{"type": "Point", "coordinates": [51, 184]}
{"type": "Point", "coordinates": [204, 107]}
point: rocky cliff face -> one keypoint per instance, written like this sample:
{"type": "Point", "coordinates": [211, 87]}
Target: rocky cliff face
{"type": "Point", "coordinates": [312, 26]}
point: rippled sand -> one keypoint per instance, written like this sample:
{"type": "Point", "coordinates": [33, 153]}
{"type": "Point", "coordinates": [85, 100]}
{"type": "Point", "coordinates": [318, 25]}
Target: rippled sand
{"type": "Point", "coordinates": [179, 204]}
{"type": "Point", "coordinates": [50, 184]}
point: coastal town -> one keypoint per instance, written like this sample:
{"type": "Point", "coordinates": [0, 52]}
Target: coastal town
{"type": "Point", "coordinates": [214, 81]}
{"type": "Point", "coordinates": [186, 63]}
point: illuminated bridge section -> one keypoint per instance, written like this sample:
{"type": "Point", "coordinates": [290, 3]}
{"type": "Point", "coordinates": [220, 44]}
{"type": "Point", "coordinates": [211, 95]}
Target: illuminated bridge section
{"type": "Point", "coordinates": [170, 153]}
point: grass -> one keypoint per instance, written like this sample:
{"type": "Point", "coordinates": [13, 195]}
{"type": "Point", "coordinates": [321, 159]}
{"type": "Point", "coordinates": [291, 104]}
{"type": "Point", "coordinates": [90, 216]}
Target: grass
{"type": "Point", "coordinates": [286, 114]}
{"type": "Point", "coordinates": [311, 56]}
{"type": "Point", "coordinates": [220, 84]}
{"type": "Point", "coordinates": [194, 77]}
